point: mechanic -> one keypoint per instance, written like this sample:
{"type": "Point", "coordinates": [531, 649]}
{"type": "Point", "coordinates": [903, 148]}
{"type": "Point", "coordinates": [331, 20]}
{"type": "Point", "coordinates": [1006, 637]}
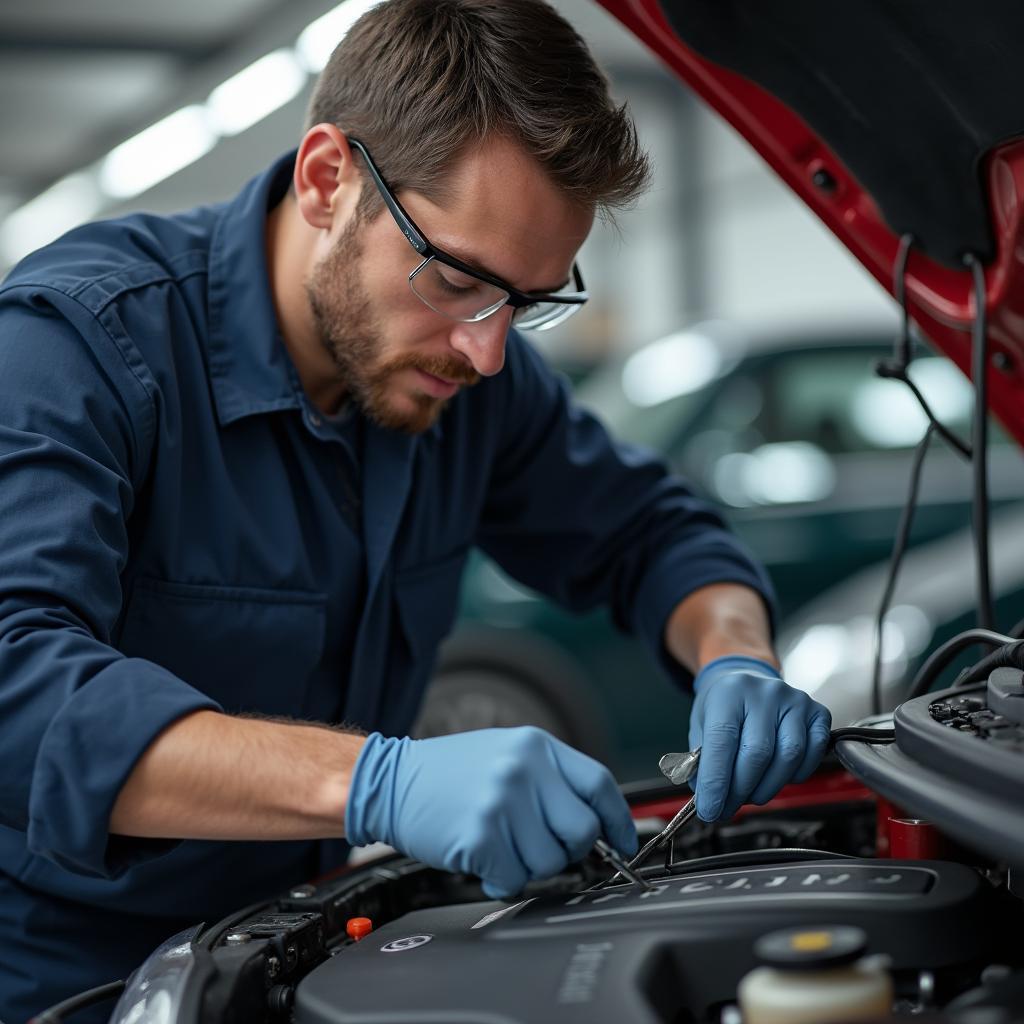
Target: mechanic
{"type": "Point", "coordinates": [244, 452]}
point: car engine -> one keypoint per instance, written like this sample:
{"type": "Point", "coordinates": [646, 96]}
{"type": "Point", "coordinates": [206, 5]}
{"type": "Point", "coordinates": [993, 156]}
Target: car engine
{"type": "Point", "coordinates": [675, 952]}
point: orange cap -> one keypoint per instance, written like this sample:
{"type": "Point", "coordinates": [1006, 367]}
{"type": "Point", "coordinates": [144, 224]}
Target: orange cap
{"type": "Point", "coordinates": [358, 927]}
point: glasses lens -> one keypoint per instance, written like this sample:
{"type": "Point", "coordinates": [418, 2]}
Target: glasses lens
{"type": "Point", "coordinates": [460, 296]}
{"type": "Point", "coordinates": [541, 316]}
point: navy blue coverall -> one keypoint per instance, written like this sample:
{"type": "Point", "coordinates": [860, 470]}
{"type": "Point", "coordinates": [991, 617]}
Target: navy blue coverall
{"type": "Point", "coordinates": [180, 528]}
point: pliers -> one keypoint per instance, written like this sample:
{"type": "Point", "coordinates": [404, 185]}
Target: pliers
{"type": "Point", "coordinates": [678, 769]}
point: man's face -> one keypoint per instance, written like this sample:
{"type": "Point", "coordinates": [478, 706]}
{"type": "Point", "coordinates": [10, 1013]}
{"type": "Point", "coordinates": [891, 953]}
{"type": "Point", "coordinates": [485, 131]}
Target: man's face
{"type": "Point", "coordinates": [402, 362]}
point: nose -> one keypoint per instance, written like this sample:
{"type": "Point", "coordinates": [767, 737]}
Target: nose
{"type": "Point", "coordinates": [483, 342]}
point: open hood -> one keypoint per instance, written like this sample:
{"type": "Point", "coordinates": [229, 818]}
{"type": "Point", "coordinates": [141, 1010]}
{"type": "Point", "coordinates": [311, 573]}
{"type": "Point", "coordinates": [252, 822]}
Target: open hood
{"type": "Point", "coordinates": [886, 117]}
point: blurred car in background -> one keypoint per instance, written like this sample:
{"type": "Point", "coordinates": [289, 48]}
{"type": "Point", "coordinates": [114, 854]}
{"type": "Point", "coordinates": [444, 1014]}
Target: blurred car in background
{"type": "Point", "coordinates": [828, 647]}
{"type": "Point", "coordinates": [808, 453]}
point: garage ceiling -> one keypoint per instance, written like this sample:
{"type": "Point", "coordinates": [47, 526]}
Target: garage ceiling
{"type": "Point", "coordinates": [79, 77]}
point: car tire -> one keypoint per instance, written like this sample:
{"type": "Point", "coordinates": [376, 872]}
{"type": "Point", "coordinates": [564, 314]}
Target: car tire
{"type": "Point", "coordinates": [466, 698]}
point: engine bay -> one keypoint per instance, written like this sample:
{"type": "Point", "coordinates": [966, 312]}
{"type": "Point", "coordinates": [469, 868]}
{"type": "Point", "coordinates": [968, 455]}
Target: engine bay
{"type": "Point", "coordinates": [933, 902]}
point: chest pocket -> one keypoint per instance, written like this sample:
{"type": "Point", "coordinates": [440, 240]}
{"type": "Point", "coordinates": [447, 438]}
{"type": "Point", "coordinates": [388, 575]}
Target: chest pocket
{"type": "Point", "coordinates": [427, 596]}
{"type": "Point", "coordinates": [424, 602]}
{"type": "Point", "coordinates": [251, 649]}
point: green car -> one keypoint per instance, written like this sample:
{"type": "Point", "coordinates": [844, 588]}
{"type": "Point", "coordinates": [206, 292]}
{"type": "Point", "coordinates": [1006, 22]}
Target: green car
{"type": "Point", "coordinates": [808, 453]}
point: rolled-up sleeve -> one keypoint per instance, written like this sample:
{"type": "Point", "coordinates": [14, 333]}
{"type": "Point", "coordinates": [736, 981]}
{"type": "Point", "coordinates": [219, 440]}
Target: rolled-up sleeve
{"type": "Point", "coordinates": [76, 426]}
{"type": "Point", "coordinates": [587, 520]}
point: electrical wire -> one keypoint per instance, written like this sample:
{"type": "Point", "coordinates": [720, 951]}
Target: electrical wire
{"type": "Point", "coordinates": [896, 368]}
{"type": "Point", "coordinates": [941, 657]}
{"type": "Point", "coordinates": [56, 1014]}
{"type": "Point", "coordinates": [898, 549]}
{"type": "Point", "coordinates": [979, 444]}
{"type": "Point", "coordinates": [947, 435]}
{"type": "Point", "coordinates": [977, 452]}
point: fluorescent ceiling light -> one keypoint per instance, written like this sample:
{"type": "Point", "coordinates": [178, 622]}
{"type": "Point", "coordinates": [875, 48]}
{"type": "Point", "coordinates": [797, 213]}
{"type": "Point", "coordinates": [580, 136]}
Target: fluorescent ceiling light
{"type": "Point", "coordinates": [180, 139]}
{"type": "Point", "coordinates": [318, 40]}
{"type": "Point", "coordinates": [61, 207]}
{"type": "Point", "coordinates": [157, 153]}
{"type": "Point", "coordinates": [255, 92]}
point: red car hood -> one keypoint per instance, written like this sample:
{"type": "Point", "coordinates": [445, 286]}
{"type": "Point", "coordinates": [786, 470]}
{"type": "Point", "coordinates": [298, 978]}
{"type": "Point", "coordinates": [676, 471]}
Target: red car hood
{"type": "Point", "coordinates": [885, 118]}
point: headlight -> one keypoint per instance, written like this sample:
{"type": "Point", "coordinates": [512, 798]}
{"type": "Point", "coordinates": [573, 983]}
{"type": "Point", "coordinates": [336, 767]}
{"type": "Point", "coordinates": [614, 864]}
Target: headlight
{"type": "Point", "coordinates": [154, 992]}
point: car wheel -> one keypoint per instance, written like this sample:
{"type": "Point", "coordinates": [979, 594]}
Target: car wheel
{"type": "Point", "coordinates": [459, 700]}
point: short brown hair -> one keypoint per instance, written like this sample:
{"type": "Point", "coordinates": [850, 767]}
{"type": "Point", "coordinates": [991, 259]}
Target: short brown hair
{"type": "Point", "coordinates": [418, 80]}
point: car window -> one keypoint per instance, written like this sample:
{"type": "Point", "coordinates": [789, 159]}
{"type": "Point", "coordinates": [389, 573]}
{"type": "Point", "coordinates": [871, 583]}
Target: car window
{"type": "Point", "coordinates": [830, 399]}
{"type": "Point", "coordinates": [650, 397]}
{"type": "Point", "coordinates": [773, 430]}
{"type": "Point", "coordinates": [834, 400]}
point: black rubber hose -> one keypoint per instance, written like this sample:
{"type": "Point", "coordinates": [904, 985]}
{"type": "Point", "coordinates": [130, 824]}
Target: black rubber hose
{"type": "Point", "coordinates": [941, 657]}
{"type": "Point", "coordinates": [979, 445]}
{"type": "Point", "coordinates": [1010, 656]}
{"type": "Point", "coordinates": [56, 1014]}
{"type": "Point", "coordinates": [862, 735]}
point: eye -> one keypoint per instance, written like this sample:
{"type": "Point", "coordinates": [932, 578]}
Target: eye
{"type": "Point", "coordinates": [455, 283]}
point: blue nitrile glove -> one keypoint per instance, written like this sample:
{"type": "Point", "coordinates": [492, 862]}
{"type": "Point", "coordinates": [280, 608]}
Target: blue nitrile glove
{"type": "Point", "coordinates": [755, 732]}
{"type": "Point", "coordinates": [505, 804]}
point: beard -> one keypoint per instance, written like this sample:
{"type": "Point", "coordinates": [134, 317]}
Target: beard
{"type": "Point", "coordinates": [350, 333]}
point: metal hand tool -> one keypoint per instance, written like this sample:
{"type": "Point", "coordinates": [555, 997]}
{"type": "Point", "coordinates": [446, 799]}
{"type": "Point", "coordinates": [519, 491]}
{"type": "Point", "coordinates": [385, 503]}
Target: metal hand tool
{"type": "Point", "coordinates": [618, 862]}
{"type": "Point", "coordinates": [678, 768]}
{"type": "Point", "coordinates": [666, 835]}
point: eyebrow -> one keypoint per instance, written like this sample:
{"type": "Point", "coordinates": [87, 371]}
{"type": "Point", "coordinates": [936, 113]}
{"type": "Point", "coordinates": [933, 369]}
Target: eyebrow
{"type": "Point", "coordinates": [466, 257]}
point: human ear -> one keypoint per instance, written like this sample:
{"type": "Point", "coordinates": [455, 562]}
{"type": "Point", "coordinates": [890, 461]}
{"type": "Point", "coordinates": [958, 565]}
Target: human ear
{"type": "Point", "coordinates": [326, 182]}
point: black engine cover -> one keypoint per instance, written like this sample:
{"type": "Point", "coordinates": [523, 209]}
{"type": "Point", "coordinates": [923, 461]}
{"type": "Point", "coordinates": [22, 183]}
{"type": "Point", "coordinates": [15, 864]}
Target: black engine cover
{"type": "Point", "coordinates": [620, 954]}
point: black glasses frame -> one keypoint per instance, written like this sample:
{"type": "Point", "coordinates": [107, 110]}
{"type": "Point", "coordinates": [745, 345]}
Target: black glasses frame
{"type": "Point", "coordinates": [516, 299]}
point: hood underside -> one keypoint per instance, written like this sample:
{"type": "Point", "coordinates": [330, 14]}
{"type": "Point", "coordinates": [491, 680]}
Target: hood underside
{"type": "Point", "coordinates": [887, 117]}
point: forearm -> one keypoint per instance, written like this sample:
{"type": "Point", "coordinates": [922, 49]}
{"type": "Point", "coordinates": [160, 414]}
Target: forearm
{"type": "Point", "coordinates": [720, 619]}
{"type": "Point", "coordinates": [213, 776]}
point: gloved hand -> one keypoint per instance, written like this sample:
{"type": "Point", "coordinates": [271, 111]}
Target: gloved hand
{"type": "Point", "coordinates": [755, 734]}
{"type": "Point", "coordinates": [505, 804]}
